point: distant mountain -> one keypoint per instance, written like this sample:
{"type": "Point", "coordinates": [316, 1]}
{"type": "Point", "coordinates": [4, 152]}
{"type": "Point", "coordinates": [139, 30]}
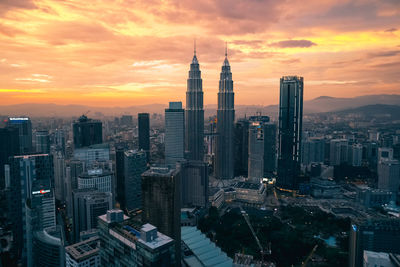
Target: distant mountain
{"type": "Point", "coordinates": [391, 112]}
{"type": "Point", "coordinates": [317, 105]}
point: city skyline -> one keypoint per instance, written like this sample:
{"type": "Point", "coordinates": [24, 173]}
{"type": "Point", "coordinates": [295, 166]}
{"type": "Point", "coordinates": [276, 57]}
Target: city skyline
{"type": "Point", "coordinates": [137, 52]}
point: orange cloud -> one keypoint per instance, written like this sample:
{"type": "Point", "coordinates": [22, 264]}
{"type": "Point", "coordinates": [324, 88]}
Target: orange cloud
{"type": "Point", "coordinates": [138, 52]}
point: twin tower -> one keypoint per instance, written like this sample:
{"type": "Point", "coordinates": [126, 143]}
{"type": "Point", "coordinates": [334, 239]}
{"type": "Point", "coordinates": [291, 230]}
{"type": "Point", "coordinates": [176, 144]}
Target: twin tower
{"type": "Point", "coordinates": [194, 117]}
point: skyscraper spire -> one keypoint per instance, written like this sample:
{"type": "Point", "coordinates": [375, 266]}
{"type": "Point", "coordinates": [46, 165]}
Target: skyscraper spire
{"type": "Point", "coordinates": [225, 119]}
{"type": "Point", "coordinates": [194, 113]}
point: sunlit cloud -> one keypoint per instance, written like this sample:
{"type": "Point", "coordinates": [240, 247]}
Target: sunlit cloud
{"type": "Point", "coordinates": [138, 52]}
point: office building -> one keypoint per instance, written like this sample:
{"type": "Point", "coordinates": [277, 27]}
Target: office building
{"type": "Point", "coordinates": [256, 151]}
{"type": "Point", "coordinates": [24, 126]}
{"type": "Point", "coordinates": [269, 148]}
{"type": "Point", "coordinates": [77, 167]}
{"type": "Point", "coordinates": [42, 142]}
{"type": "Point", "coordinates": [26, 172]}
{"type": "Point", "coordinates": [174, 133]}
{"type": "Point", "coordinates": [87, 132]}
{"type": "Point", "coordinates": [224, 168]}
{"type": "Point", "coordinates": [290, 131]}
{"type": "Point", "coordinates": [385, 153]}
{"type": "Point", "coordinates": [241, 147]}
{"type": "Point", "coordinates": [313, 150]}
{"type": "Point", "coordinates": [9, 146]}
{"type": "Point", "coordinates": [194, 183]}
{"type": "Point", "coordinates": [48, 247]}
{"type": "Point", "coordinates": [88, 204]}
{"type": "Point", "coordinates": [134, 165]}
{"type": "Point", "coordinates": [381, 235]}
{"type": "Point", "coordinates": [124, 242]}
{"type": "Point", "coordinates": [100, 179]}
{"type": "Point", "coordinates": [59, 176]}
{"type": "Point", "coordinates": [369, 197]}
{"type": "Point", "coordinates": [91, 155]}
{"type": "Point", "coordinates": [162, 201]}
{"type": "Point", "coordinates": [194, 113]}
{"type": "Point", "coordinates": [84, 253]}
{"type": "Point", "coordinates": [120, 149]}
{"type": "Point", "coordinates": [144, 133]}
{"type": "Point", "coordinates": [389, 175]}
{"type": "Point", "coordinates": [59, 140]}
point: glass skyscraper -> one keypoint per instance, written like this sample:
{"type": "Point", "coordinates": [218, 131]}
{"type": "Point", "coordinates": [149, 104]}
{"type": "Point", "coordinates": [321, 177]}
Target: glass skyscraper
{"type": "Point", "coordinates": [290, 131]}
{"type": "Point", "coordinates": [174, 133]}
{"type": "Point", "coordinates": [87, 132]}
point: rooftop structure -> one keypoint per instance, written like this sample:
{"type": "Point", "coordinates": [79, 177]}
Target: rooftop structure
{"type": "Point", "coordinates": [83, 251]}
{"type": "Point", "coordinates": [200, 251]}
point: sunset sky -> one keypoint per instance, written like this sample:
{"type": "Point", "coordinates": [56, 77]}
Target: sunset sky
{"type": "Point", "coordinates": [122, 53]}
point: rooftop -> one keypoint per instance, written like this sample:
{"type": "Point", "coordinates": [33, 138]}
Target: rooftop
{"type": "Point", "coordinates": [83, 250]}
{"type": "Point", "coordinates": [246, 185]}
{"type": "Point", "coordinates": [205, 252]}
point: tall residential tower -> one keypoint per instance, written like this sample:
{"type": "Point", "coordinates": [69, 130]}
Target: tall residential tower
{"type": "Point", "coordinates": [225, 118]}
{"type": "Point", "coordinates": [194, 130]}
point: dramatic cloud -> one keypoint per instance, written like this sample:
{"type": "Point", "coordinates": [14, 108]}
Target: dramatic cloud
{"type": "Point", "coordinates": [138, 51]}
{"type": "Point", "coordinates": [293, 43]}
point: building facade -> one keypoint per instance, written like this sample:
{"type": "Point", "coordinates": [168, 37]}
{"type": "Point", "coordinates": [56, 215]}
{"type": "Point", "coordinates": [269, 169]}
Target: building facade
{"type": "Point", "coordinates": [134, 165]}
{"type": "Point", "coordinates": [174, 133]}
{"type": "Point", "coordinates": [87, 132]}
{"type": "Point", "coordinates": [144, 132]}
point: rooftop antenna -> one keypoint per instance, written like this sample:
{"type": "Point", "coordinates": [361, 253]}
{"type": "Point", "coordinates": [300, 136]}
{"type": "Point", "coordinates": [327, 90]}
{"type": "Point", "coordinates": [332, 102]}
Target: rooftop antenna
{"type": "Point", "coordinates": [226, 49]}
{"type": "Point", "coordinates": [195, 46]}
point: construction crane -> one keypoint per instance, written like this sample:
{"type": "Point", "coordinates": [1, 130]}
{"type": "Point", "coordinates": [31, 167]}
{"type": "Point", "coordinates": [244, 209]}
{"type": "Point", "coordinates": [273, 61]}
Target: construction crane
{"type": "Point", "coordinates": [246, 218]}
{"type": "Point", "coordinates": [309, 256]}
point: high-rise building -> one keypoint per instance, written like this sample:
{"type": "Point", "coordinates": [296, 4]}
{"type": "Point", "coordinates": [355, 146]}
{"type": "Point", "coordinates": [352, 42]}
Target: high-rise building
{"type": "Point", "coordinates": [124, 242]}
{"type": "Point", "coordinates": [389, 175]}
{"type": "Point", "coordinates": [59, 140]}
{"type": "Point", "coordinates": [194, 113]}
{"type": "Point", "coordinates": [161, 194]}
{"type": "Point", "coordinates": [100, 179]}
{"type": "Point", "coordinates": [356, 155]}
{"type": "Point", "coordinates": [126, 120]}
{"type": "Point", "coordinates": [290, 131]}
{"type": "Point", "coordinates": [225, 118]}
{"type": "Point", "coordinates": [87, 132]}
{"type": "Point", "coordinates": [241, 147]}
{"type": "Point", "coordinates": [42, 142]}
{"type": "Point", "coordinates": [48, 247]}
{"type": "Point", "coordinates": [24, 126]}
{"type": "Point", "coordinates": [256, 151]}
{"type": "Point", "coordinates": [40, 214]}
{"type": "Point", "coordinates": [381, 235]}
{"type": "Point", "coordinates": [59, 176]}
{"type": "Point", "coordinates": [9, 146]}
{"type": "Point", "coordinates": [144, 132]}
{"type": "Point", "coordinates": [88, 204]}
{"type": "Point", "coordinates": [84, 253]}
{"type": "Point", "coordinates": [25, 173]}
{"type": "Point", "coordinates": [313, 150]}
{"type": "Point", "coordinates": [194, 183]}
{"type": "Point", "coordinates": [339, 151]}
{"type": "Point", "coordinates": [120, 149]}
{"type": "Point", "coordinates": [92, 155]}
{"type": "Point", "coordinates": [174, 133]}
{"type": "Point", "coordinates": [134, 165]}
{"type": "Point", "coordinates": [269, 148]}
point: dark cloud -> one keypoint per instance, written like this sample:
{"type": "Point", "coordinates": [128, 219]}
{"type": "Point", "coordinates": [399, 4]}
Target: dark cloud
{"type": "Point", "coordinates": [293, 43]}
{"type": "Point", "coordinates": [391, 30]}
{"type": "Point", "coordinates": [385, 53]}
{"type": "Point", "coordinates": [6, 5]}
